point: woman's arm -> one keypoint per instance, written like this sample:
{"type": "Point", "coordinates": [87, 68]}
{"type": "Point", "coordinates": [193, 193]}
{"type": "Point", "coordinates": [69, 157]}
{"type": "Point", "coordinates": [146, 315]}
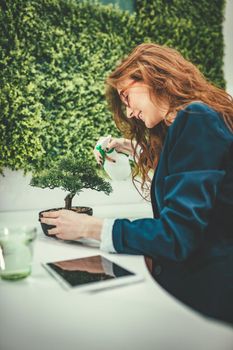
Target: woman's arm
{"type": "Point", "coordinates": [193, 156]}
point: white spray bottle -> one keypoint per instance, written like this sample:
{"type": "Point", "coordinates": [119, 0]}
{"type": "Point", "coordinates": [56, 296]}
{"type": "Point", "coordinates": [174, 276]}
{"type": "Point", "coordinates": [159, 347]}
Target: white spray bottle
{"type": "Point", "coordinates": [118, 170]}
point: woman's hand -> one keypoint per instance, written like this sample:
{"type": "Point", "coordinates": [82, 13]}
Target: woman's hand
{"type": "Point", "coordinates": [120, 145]}
{"type": "Point", "coordinates": [71, 225]}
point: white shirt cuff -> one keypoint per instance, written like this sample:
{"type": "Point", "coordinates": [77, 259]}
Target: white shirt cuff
{"type": "Point", "coordinates": [106, 242]}
{"type": "Point", "coordinates": [107, 267]}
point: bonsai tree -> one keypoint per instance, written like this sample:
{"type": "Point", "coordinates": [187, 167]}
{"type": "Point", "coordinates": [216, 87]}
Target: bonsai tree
{"type": "Point", "coordinates": [72, 175]}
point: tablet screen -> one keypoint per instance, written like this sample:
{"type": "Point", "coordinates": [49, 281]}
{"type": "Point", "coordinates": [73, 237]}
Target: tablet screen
{"type": "Point", "coordinates": [88, 270]}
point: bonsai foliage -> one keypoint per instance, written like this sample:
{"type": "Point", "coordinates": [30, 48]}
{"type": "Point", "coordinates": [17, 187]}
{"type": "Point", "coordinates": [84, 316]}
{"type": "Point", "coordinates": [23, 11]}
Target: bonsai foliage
{"type": "Point", "coordinates": [72, 175]}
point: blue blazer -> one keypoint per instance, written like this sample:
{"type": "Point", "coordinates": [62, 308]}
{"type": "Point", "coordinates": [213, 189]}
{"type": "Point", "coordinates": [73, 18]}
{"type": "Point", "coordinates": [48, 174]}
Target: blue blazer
{"type": "Point", "coordinates": [191, 193]}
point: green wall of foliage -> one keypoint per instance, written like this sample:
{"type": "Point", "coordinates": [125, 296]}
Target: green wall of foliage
{"type": "Point", "coordinates": [55, 55]}
{"type": "Point", "coordinates": [193, 27]}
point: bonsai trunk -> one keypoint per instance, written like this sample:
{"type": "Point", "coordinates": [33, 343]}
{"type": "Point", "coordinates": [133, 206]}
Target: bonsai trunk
{"type": "Point", "coordinates": [68, 200]}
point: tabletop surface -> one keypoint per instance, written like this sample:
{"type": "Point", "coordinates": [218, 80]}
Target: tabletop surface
{"type": "Point", "coordinates": [37, 313]}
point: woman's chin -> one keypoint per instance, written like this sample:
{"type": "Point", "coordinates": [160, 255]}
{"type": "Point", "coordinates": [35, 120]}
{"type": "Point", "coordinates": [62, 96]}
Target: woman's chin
{"type": "Point", "coordinates": [151, 124]}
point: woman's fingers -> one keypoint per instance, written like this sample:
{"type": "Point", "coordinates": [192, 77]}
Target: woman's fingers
{"type": "Point", "coordinates": [51, 214]}
{"type": "Point", "coordinates": [98, 156]}
{"type": "Point", "coordinates": [110, 159]}
{"type": "Point", "coordinates": [48, 221]}
{"type": "Point", "coordinates": [114, 143]}
{"type": "Point", "coordinates": [119, 144]}
{"type": "Point", "coordinates": [62, 236]}
{"type": "Point", "coordinates": [53, 231]}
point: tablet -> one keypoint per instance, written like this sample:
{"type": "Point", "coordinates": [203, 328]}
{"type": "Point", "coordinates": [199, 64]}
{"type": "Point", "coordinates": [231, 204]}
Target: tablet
{"type": "Point", "coordinates": [90, 273]}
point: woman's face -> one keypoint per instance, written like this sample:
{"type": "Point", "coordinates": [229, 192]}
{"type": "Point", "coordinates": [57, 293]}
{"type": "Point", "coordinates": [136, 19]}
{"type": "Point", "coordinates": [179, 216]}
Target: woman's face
{"type": "Point", "coordinates": [139, 105]}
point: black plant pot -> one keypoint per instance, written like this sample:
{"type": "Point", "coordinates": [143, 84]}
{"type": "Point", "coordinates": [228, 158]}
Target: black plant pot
{"type": "Point", "coordinates": [78, 210]}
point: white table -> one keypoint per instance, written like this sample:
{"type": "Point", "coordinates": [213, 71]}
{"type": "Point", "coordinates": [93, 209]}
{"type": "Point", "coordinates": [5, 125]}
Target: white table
{"type": "Point", "coordinates": [37, 313]}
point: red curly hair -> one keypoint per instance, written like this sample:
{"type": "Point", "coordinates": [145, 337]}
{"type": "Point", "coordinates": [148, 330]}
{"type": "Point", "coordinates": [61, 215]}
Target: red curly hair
{"type": "Point", "coordinates": [169, 76]}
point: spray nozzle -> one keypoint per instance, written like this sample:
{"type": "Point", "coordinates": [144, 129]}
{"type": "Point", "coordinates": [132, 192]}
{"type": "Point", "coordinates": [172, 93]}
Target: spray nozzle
{"type": "Point", "coordinates": [116, 171]}
{"type": "Point", "coordinates": [105, 142]}
{"type": "Point", "coordinates": [102, 145]}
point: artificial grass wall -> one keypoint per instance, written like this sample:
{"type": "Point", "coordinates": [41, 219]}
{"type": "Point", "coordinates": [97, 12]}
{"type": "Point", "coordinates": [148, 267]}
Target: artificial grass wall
{"type": "Point", "coordinates": [193, 27]}
{"type": "Point", "coordinates": [55, 55]}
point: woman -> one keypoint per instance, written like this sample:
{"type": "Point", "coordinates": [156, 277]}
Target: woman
{"type": "Point", "coordinates": [184, 127]}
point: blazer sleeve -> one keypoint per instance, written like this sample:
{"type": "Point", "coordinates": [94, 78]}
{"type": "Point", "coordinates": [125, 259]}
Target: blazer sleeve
{"type": "Point", "coordinates": [196, 148]}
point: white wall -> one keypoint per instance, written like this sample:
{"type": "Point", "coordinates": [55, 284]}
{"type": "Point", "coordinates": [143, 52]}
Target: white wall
{"type": "Point", "coordinates": [16, 194]}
